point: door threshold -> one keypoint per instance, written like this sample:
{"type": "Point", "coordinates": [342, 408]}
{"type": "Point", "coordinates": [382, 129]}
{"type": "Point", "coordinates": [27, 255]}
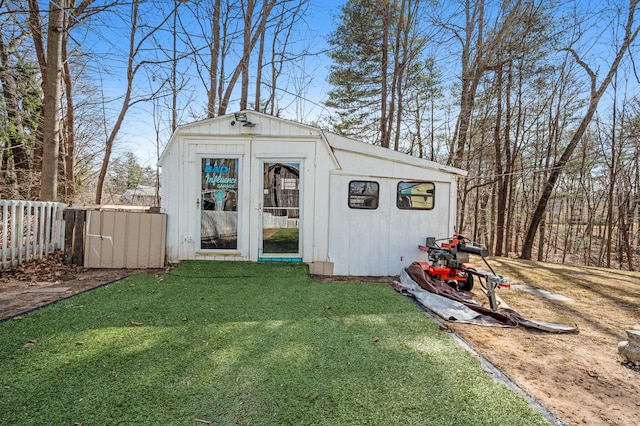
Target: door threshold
{"type": "Point", "coordinates": [280, 259]}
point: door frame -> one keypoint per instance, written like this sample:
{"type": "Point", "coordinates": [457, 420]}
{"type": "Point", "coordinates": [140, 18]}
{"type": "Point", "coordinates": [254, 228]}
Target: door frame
{"type": "Point", "coordinates": [259, 242]}
{"type": "Point", "coordinates": [240, 207]}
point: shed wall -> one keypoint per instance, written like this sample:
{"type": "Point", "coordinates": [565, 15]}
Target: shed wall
{"type": "Point", "coordinates": [382, 241]}
{"type": "Point", "coordinates": [335, 239]}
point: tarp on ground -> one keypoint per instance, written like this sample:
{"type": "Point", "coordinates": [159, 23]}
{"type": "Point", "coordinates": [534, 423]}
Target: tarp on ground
{"type": "Point", "coordinates": [456, 306]}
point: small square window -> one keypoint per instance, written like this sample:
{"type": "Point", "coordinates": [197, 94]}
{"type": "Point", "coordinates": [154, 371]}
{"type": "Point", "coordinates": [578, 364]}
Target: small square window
{"type": "Point", "coordinates": [363, 194]}
{"type": "Point", "coordinates": [416, 195]}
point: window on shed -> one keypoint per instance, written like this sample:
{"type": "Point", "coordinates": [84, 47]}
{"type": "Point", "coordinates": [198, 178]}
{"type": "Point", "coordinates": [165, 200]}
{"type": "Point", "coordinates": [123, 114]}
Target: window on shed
{"type": "Point", "coordinates": [363, 194]}
{"type": "Point", "coordinates": [416, 195]}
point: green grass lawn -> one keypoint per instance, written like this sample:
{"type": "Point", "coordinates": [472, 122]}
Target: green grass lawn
{"type": "Point", "coordinates": [283, 241]}
{"type": "Point", "coordinates": [243, 344]}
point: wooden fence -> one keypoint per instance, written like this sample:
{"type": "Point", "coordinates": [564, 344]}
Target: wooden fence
{"type": "Point", "coordinates": [98, 237]}
{"type": "Point", "coordinates": [74, 234]}
{"type": "Point", "coordinates": [29, 230]}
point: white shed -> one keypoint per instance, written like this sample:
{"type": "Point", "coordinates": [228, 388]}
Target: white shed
{"type": "Point", "coordinates": [254, 187]}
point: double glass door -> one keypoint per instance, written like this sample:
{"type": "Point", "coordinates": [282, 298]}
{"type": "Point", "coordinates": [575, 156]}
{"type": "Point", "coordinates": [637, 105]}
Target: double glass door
{"type": "Point", "coordinates": [280, 218]}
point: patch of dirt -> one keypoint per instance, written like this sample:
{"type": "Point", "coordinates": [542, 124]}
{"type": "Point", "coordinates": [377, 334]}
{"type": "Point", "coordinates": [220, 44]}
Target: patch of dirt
{"type": "Point", "coordinates": [580, 377]}
{"type": "Point", "coordinates": [32, 285]}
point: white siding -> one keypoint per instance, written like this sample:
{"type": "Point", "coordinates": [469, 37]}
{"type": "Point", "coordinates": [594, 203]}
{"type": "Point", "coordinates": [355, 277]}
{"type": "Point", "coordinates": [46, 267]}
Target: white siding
{"type": "Point", "coordinates": [380, 242]}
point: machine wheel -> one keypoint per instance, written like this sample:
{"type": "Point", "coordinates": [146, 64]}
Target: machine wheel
{"type": "Point", "coordinates": [468, 284]}
{"type": "Point", "coordinates": [453, 284]}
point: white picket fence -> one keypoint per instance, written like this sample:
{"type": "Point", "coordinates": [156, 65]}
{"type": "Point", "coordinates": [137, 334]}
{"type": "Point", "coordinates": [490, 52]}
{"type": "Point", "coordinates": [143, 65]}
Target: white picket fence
{"type": "Point", "coordinates": [30, 230]}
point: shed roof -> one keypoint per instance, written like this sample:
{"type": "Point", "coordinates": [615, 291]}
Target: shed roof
{"type": "Point", "coordinates": [267, 126]}
{"type": "Point", "coordinates": [139, 191]}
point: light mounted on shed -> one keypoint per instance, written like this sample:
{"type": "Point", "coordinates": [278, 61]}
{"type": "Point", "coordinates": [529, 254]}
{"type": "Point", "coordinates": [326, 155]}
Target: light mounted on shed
{"type": "Point", "coordinates": [241, 117]}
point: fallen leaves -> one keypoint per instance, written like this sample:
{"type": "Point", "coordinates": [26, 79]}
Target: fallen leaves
{"type": "Point", "coordinates": [51, 268]}
{"type": "Point", "coordinates": [30, 343]}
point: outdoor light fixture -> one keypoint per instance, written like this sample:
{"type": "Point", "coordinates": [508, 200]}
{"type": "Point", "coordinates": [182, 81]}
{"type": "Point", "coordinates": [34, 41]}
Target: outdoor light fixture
{"type": "Point", "coordinates": [241, 117]}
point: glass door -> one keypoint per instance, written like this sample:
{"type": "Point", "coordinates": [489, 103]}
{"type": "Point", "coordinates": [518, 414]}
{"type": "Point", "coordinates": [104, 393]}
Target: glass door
{"type": "Point", "coordinates": [219, 204]}
{"type": "Point", "coordinates": [281, 210]}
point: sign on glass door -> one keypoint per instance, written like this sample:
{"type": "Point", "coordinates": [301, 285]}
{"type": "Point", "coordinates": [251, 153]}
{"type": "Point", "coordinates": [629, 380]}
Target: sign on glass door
{"type": "Point", "coordinates": [219, 205]}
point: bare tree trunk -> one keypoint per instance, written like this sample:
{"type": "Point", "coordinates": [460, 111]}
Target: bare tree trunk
{"type": "Point", "coordinates": [569, 222]}
{"type": "Point", "coordinates": [432, 136]}
{"type": "Point", "coordinates": [69, 133]}
{"type": "Point", "coordinates": [541, 237]}
{"type": "Point", "coordinates": [212, 94]}
{"type": "Point", "coordinates": [51, 107]}
{"type": "Point", "coordinates": [246, 50]}
{"type": "Point", "coordinates": [624, 229]}
{"type": "Point", "coordinates": [611, 192]}
{"type": "Point", "coordinates": [514, 155]}
{"type": "Point", "coordinates": [262, 30]}
{"type": "Point", "coordinates": [484, 233]}
{"type": "Point", "coordinates": [174, 69]}
{"type": "Point", "coordinates": [475, 232]}
{"type": "Point", "coordinates": [35, 27]}
{"type": "Point", "coordinates": [399, 59]}
{"type": "Point", "coordinates": [462, 202]}
{"type": "Point", "coordinates": [384, 72]}
{"type": "Point", "coordinates": [499, 206]}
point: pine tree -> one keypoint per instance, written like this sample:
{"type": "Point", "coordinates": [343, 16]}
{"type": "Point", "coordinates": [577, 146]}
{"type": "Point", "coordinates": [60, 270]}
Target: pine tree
{"type": "Point", "coordinates": [375, 49]}
{"type": "Point", "coordinates": [356, 69]}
